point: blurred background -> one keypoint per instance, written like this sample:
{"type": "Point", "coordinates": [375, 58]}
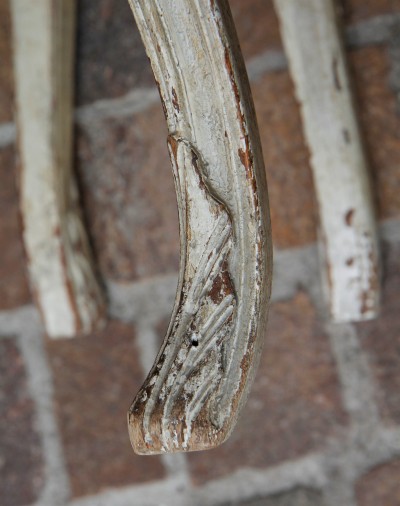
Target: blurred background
{"type": "Point", "coordinates": [322, 424]}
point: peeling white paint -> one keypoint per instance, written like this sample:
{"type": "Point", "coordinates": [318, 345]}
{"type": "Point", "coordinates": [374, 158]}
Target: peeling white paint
{"type": "Point", "coordinates": [59, 259]}
{"type": "Point", "coordinates": [225, 272]}
{"type": "Point", "coordinates": [349, 246]}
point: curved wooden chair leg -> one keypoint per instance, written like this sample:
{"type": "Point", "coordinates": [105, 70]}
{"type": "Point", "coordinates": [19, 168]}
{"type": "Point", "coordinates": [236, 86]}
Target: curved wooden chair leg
{"type": "Point", "coordinates": [198, 384]}
{"type": "Point", "coordinates": [59, 259]}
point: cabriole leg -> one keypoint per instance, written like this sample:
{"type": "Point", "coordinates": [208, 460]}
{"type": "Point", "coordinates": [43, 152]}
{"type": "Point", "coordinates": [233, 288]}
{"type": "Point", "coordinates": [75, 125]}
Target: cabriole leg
{"type": "Point", "coordinates": [193, 394]}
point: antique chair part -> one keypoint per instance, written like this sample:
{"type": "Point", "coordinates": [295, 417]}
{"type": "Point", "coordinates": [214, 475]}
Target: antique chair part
{"type": "Point", "coordinates": [199, 382]}
{"type": "Point", "coordinates": [348, 230]}
{"type": "Point", "coordinates": [59, 260]}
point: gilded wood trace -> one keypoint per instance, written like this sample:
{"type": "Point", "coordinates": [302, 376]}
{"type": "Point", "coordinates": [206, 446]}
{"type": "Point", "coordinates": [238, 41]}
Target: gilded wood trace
{"type": "Point", "coordinates": [193, 394]}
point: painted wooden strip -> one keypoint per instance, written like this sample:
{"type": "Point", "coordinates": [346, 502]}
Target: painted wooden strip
{"type": "Point", "coordinates": [350, 254]}
{"type": "Point", "coordinates": [59, 259]}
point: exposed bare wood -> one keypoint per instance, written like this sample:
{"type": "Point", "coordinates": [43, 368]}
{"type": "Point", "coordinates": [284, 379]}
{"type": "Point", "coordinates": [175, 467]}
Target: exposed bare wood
{"type": "Point", "coordinates": [349, 239]}
{"type": "Point", "coordinates": [194, 392]}
{"type": "Point", "coordinates": [59, 259]}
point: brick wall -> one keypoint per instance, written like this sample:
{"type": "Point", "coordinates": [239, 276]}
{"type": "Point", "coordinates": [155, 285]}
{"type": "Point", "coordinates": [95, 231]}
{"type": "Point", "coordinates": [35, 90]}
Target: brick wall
{"type": "Point", "coordinates": [322, 425]}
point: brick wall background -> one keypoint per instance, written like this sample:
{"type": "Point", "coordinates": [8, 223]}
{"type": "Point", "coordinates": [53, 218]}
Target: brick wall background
{"type": "Point", "coordinates": [322, 425]}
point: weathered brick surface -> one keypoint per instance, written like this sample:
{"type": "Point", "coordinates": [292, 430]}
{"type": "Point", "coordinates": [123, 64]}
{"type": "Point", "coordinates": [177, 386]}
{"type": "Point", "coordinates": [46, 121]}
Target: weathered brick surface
{"type": "Point", "coordinates": [96, 378]}
{"type": "Point", "coordinates": [14, 289]}
{"type": "Point", "coordinates": [380, 119]}
{"type": "Point", "coordinates": [257, 26]}
{"type": "Point", "coordinates": [111, 59]}
{"type": "Point", "coordinates": [129, 196]}
{"type": "Point", "coordinates": [381, 486]}
{"type": "Point", "coordinates": [6, 74]}
{"type": "Point", "coordinates": [358, 10]}
{"type": "Point", "coordinates": [381, 339]}
{"type": "Point", "coordinates": [296, 497]}
{"type": "Point", "coordinates": [21, 463]}
{"type": "Point", "coordinates": [289, 177]}
{"type": "Point", "coordinates": [294, 405]}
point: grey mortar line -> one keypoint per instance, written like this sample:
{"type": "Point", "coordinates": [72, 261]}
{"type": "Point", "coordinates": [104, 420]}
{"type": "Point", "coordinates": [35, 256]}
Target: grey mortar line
{"type": "Point", "coordinates": [25, 324]}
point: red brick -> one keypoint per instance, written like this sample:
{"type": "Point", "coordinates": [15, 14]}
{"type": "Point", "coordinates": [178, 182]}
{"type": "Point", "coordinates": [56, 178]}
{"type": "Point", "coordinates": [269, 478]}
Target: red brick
{"type": "Point", "coordinates": [257, 26]}
{"type": "Point", "coordinates": [111, 59]}
{"type": "Point", "coordinates": [381, 339]}
{"type": "Point", "coordinates": [358, 10]}
{"type": "Point", "coordinates": [6, 74]}
{"type": "Point", "coordinates": [380, 487]}
{"type": "Point", "coordinates": [14, 289]}
{"type": "Point", "coordinates": [294, 405]}
{"type": "Point", "coordinates": [129, 195]}
{"type": "Point", "coordinates": [289, 177]}
{"type": "Point", "coordinates": [380, 121]}
{"type": "Point", "coordinates": [21, 462]}
{"type": "Point", "coordinates": [96, 378]}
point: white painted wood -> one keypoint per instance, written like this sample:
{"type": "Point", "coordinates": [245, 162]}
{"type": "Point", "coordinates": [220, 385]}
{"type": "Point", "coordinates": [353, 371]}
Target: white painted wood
{"type": "Point", "coordinates": [57, 249]}
{"type": "Point", "coordinates": [348, 231]}
{"type": "Point", "coordinates": [194, 392]}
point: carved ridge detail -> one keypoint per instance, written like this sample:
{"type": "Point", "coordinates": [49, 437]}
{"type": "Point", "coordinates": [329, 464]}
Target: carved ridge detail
{"type": "Point", "coordinates": [181, 385]}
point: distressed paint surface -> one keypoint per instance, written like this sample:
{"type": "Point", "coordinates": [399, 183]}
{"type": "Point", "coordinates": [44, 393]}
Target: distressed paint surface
{"type": "Point", "coordinates": [349, 245]}
{"type": "Point", "coordinates": [200, 379]}
{"type": "Point", "coordinates": [59, 260]}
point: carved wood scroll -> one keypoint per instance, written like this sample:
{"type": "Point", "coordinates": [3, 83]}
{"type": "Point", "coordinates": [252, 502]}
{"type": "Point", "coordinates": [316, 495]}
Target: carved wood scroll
{"type": "Point", "coordinates": [348, 229]}
{"type": "Point", "coordinates": [193, 394]}
{"type": "Point", "coordinates": [57, 249]}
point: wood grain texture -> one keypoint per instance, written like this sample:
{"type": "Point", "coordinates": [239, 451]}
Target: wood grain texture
{"type": "Point", "coordinates": [58, 254]}
{"type": "Point", "coordinates": [349, 245]}
{"type": "Point", "coordinates": [199, 382]}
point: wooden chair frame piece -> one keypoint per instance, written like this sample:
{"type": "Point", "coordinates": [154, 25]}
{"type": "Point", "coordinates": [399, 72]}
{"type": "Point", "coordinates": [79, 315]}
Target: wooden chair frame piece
{"type": "Point", "coordinates": [193, 394]}
{"type": "Point", "coordinates": [349, 239]}
{"type": "Point", "coordinates": [59, 259]}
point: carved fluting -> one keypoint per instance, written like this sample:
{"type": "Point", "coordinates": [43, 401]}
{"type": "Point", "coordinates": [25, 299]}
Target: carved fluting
{"type": "Point", "coordinates": [194, 392]}
{"type": "Point", "coordinates": [191, 364]}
